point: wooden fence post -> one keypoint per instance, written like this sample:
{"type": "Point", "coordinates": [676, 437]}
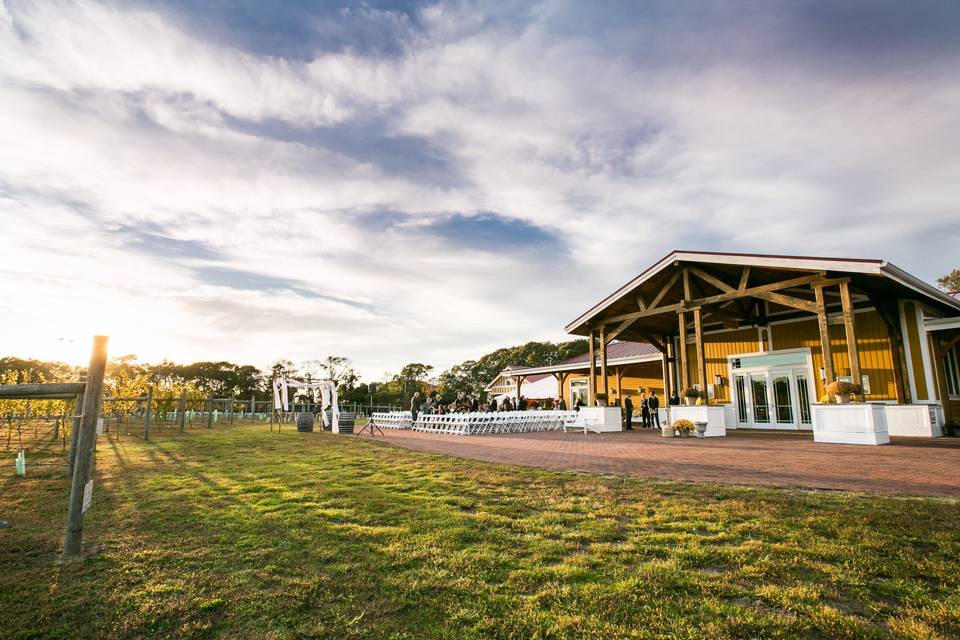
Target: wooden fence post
{"type": "Point", "coordinates": [146, 413]}
{"type": "Point", "coordinates": [86, 441]}
{"type": "Point", "coordinates": [183, 409]}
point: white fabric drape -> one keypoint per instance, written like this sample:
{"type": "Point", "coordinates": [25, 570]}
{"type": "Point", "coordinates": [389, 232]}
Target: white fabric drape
{"type": "Point", "coordinates": [328, 397]}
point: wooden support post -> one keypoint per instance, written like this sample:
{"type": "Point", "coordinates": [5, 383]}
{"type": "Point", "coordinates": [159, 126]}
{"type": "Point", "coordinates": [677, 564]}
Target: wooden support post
{"type": "Point", "coordinates": [684, 371]}
{"type": "Point", "coordinates": [86, 441]}
{"type": "Point", "coordinates": [603, 363]}
{"type": "Point", "coordinates": [74, 434]}
{"type": "Point", "coordinates": [592, 382]}
{"type": "Point", "coordinates": [210, 411]}
{"type": "Point", "coordinates": [853, 353]}
{"type": "Point", "coordinates": [619, 374]}
{"type": "Point", "coordinates": [253, 406]}
{"type": "Point", "coordinates": [701, 357]}
{"type": "Point", "coordinates": [665, 365]}
{"type": "Point", "coordinates": [146, 413]}
{"type": "Point", "coordinates": [824, 336]}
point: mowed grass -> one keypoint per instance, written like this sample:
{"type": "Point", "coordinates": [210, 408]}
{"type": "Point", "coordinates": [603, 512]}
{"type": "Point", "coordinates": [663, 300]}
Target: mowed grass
{"type": "Point", "coordinates": [243, 533]}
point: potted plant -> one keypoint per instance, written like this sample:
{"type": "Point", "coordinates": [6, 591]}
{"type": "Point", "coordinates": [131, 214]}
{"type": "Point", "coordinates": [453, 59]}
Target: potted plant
{"type": "Point", "coordinates": [841, 390]}
{"type": "Point", "coordinates": [601, 399]}
{"type": "Point", "coordinates": [690, 396]}
{"type": "Point", "coordinates": [701, 428]}
{"type": "Point", "coordinates": [683, 427]}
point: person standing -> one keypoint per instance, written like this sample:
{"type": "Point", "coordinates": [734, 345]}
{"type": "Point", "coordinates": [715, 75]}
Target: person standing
{"type": "Point", "coordinates": [415, 404]}
{"type": "Point", "coordinates": [675, 399]}
{"type": "Point", "coordinates": [644, 410]}
{"type": "Point", "coordinates": [628, 412]}
{"type": "Point", "coordinates": [492, 407]}
{"type": "Point", "coordinates": [562, 404]}
{"type": "Point", "coordinates": [654, 403]}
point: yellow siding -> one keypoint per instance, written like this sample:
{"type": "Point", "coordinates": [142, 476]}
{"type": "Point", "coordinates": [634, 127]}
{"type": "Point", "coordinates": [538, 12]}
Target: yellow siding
{"type": "Point", "coordinates": [916, 357]}
{"type": "Point", "coordinates": [645, 376]}
{"type": "Point", "coordinates": [874, 351]}
{"type": "Point", "coordinates": [717, 347]}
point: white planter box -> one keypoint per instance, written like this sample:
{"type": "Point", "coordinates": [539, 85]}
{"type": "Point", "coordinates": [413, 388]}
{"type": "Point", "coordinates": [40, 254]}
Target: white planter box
{"type": "Point", "coordinates": [714, 415]}
{"type": "Point", "coordinates": [911, 420]}
{"type": "Point", "coordinates": [599, 419]}
{"type": "Point", "coordinates": [850, 423]}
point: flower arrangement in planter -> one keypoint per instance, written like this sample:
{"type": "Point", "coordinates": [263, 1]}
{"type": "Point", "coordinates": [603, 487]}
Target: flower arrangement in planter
{"type": "Point", "coordinates": [841, 390]}
{"type": "Point", "coordinates": [691, 395]}
{"type": "Point", "coordinates": [683, 427]}
{"type": "Point", "coordinates": [827, 399]}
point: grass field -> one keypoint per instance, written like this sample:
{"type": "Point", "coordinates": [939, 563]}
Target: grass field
{"type": "Point", "coordinates": [244, 533]}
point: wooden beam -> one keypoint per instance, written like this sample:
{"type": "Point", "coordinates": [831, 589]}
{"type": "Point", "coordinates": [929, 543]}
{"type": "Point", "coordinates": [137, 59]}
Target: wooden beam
{"type": "Point", "coordinates": [686, 284]}
{"type": "Point", "coordinates": [664, 290]}
{"type": "Point", "coordinates": [712, 279]}
{"type": "Point", "coordinates": [684, 377]}
{"type": "Point", "coordinates": [23, 391]}
{"type": "Point", "coordinates": [723, 297]}
{"type": "Point", "coordinates": [701, 359]}
{"type": "Point", "coordinates": [592, 383]}
{"type": "Point", "coordinates": [665, 368]}
{"type": "Point", "coordinates": [620, 329]}
{"type": "Point", "coordinates": [789, 301]}
{"type": "Point", "coordinates": [603, 362]}
{"type": "Point", "coordinates": [850, 333]}
{"type": "Point", "coordinates": [641, 303]}
{"type": "Point", "coordinates": [824, 336]}
{"type": "Point", "coordinates": [744, 279]}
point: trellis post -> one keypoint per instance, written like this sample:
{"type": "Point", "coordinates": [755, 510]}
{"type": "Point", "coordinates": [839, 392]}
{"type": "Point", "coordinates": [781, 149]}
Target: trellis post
{"type": "Point", "coordinates": [86, 441]}
{"type": "Point", "coordinates": [146, 413]}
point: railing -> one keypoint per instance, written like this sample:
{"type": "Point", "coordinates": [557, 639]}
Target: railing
{"type": "Point", "coordinates": [464, 424]}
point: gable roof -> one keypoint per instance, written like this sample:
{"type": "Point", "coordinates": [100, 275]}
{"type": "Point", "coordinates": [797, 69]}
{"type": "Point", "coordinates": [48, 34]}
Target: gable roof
{"type": "Point", "coordinates": [864, 266]}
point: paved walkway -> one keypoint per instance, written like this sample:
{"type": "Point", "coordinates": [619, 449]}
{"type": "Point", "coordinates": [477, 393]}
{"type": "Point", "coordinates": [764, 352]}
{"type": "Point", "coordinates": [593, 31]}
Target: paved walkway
{"type": "Point", "coordinates": [908, 466]}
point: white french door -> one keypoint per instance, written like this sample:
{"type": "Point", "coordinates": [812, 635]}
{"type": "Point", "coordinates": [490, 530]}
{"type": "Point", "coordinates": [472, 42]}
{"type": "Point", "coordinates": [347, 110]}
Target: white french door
{"type": "Point", "coordinates": [777, 398]}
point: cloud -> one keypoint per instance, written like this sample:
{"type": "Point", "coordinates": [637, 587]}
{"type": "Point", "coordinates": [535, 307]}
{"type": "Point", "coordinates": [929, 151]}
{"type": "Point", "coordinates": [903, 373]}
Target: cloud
{"type": "Point", "coordinates": [428, 182]}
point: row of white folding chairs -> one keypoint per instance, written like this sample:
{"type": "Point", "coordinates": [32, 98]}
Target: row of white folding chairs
{"type": "Point", "coordinates": [392, 420]}
{"type": "Point", "coordinates": [492, 423]}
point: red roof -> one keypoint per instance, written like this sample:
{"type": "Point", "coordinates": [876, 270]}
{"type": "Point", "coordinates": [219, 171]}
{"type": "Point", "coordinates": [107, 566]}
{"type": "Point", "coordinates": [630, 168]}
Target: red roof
{"type": "Point", "coordinates": [538, 376]}
{"type": "Point", "coordinates": [619, 350]}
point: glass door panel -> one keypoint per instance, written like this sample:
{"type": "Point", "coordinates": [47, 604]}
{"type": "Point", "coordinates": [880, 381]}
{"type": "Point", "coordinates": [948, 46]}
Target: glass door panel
{"type": "Point", "coordinates": [783, 399]}
{"type": "Point", "coordinates": [803, 391]}
{"type": "Point", "coordinates": [742, 416]}
{"type": "Point", "coordinates": [758, 385]}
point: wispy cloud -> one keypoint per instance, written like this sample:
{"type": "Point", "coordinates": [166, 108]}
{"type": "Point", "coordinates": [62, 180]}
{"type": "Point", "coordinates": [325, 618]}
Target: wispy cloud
{"type": "Point", "coordinates": [430, 181]}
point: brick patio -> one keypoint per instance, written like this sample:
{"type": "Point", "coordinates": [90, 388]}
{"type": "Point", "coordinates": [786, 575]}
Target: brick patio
{"type": "Point", "coordinates": [907, 466]}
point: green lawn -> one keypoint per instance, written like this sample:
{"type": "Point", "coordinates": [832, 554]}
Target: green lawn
{"type": "Point", "coordinates": [244, 533]}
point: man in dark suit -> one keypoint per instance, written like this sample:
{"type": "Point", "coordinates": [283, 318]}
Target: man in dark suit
{"type": "Point", "coordinates": [415, 404]}
{"type": "Point", "coordinates": [654, 403]}
{"type": "Point", "coordinates": [628, 412]}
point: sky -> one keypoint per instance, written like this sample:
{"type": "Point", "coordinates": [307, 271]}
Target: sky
{"type": "Point", "coordinates": [426, 182]}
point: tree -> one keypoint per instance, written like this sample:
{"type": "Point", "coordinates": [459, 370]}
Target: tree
{"type": "Point", "coordinates": [950, 282]}
{"type": "Point", "coordinates": [472, 376]}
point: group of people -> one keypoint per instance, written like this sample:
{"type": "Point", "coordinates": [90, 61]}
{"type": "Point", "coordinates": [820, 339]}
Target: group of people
{"type": "Point", "coordinates": [471, 404]}
{"type": "Point", "coordinates": [436, 404]}
{"type": "Point", "coordinates": [649, 410]}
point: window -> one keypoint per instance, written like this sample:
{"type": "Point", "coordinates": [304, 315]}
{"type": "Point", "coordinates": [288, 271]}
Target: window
{"type": "Point", "coordinates": [952, 372]}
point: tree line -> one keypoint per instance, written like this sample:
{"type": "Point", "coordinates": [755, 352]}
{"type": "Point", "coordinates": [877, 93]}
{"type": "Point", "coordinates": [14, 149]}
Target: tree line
{"type": "Point", "coordinates": [126, 378]}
